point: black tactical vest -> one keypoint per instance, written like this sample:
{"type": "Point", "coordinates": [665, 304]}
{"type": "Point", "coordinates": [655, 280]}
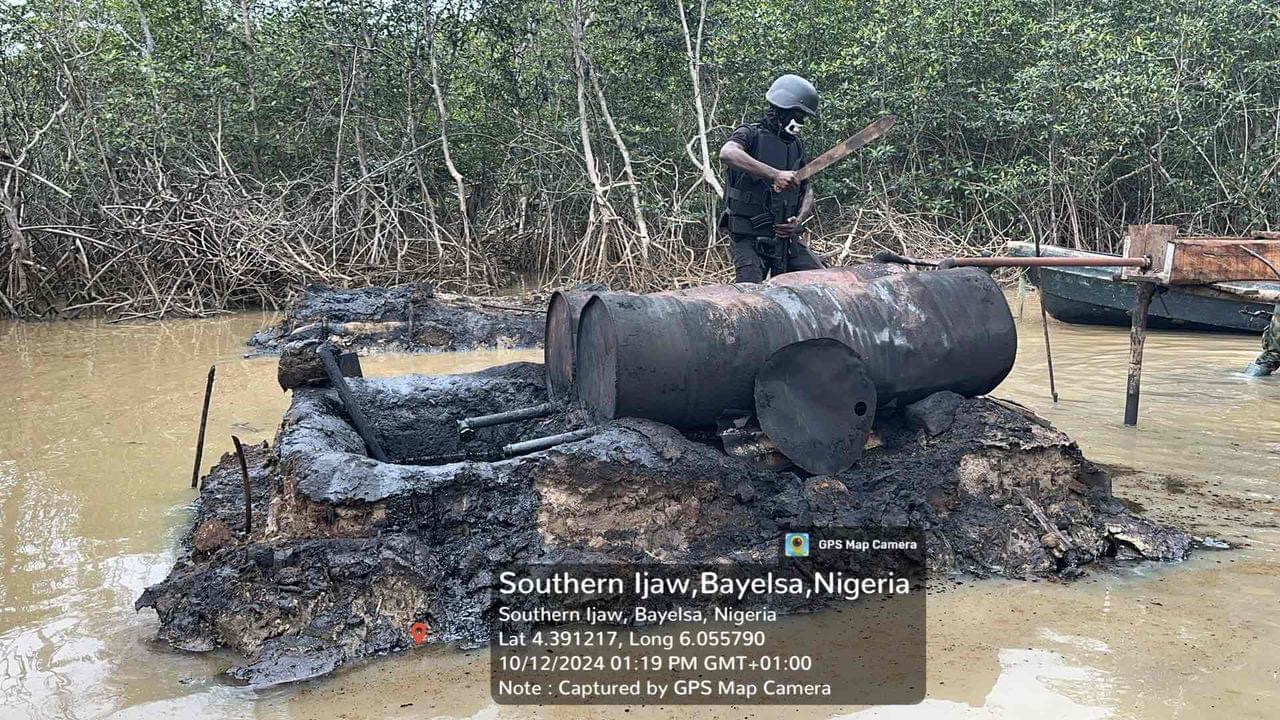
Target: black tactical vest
{"type": "Point", "coordinates": [747, 196]}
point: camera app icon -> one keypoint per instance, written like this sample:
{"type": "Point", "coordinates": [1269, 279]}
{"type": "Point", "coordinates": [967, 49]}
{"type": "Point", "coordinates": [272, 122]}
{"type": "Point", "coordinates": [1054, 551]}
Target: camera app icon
{"type": "Point", "coordinates": [796, 544]}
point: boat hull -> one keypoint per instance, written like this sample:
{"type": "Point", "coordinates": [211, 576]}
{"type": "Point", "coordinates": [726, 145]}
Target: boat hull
{"type": "Point", "coordinates": [1074, 297]}
{"type": "Point", "coordinates": [1091, 296]}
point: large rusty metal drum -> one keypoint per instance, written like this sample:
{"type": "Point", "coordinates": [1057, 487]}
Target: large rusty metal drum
{"type": "Point", "coordinates": [855, 274]}
{"type": "Point", "coordinates": [563, 313]}
{"type": "Point", "coordinates": [685, 360]}
{"type": "Point", "coordinates": [565, 308]}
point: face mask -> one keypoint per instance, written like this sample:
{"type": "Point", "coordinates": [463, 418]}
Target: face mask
{"type": "Point", "coordinates": [792, 127]}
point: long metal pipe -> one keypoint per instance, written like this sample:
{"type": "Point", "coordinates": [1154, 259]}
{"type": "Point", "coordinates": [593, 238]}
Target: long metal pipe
{"type": "Point", "coordinates": [889, 256]}
{"type": "Point", "coordinates": [467, 427]}
{"type": "Point", "coordinates": [565, 308]}
{"type": "Point", "coordinates": [548, 441]}
{"type": "Point", "coordinates": [686, 360]}
{"type": "Point", "coordinates": [1045, 261]}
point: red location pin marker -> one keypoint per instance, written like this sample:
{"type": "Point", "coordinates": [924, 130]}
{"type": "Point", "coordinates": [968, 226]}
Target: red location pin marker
{"type": "Point", "coordinates": [419, 632]}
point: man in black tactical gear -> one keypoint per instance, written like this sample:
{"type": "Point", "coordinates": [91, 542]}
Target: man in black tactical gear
{"type": "Point", "coordinates": [766, 206]}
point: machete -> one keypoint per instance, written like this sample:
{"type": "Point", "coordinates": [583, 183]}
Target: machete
{"type": "Point", "coordinates": [846, 148]}
{"type": "Point", "coordinates": [820, 163]}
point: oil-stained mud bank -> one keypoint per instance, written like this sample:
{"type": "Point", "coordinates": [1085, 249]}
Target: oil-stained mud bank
{"type": "Point", "coordinates": [346, 552]}
{"type": "Point", "coordinates": [408, 318]}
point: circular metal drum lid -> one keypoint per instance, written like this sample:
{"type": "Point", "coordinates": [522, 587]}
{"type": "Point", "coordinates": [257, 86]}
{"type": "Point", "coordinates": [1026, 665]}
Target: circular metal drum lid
{"type": "Point", "coordinates": [816, 403]}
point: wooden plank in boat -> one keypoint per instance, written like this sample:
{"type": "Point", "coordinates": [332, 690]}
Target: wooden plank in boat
{"type": "Point", "coordinates": [1199, 260]}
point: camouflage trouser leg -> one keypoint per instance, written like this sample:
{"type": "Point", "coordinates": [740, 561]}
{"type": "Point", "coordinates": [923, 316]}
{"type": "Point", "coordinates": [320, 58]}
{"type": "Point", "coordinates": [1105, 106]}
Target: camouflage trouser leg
{"type": "Point", "coordinates": [1269, 360]}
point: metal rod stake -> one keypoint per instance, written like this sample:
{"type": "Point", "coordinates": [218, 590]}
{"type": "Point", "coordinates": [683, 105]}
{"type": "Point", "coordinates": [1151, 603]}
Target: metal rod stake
{"type": "Point", "coordinates": [328, 356]}
{"type": "Point", "coordinates": [244, 480]}
{"type": "Point", "coordinates": [1048, 350]}
{"type": "Point", "coordinates": [204, 420]}
{"type": "Point", "coordinates": [1044, 315]}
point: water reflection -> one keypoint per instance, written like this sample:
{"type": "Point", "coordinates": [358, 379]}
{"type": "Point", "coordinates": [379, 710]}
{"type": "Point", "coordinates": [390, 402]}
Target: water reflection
{"type": "Point", "coordinates": [95, 453]}
{"type": "Point", "coordinates": [97, 430]}
{"type": "Point", "coordinates": [1199, 414]}
{"type": "Point", "coordinates": [1031, 682]}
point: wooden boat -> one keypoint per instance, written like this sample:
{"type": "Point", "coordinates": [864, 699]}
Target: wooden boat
{"type": "Point", "coordinates": [1093, 296]}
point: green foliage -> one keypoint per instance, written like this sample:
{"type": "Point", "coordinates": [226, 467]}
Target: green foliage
{"type": "Point", "coordinates": [1066, 119]}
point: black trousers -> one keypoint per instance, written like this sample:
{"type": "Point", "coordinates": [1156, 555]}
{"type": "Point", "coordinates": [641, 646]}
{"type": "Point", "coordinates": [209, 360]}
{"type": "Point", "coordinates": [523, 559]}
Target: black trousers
{"type": "Point", "coordinates": [755, 258]}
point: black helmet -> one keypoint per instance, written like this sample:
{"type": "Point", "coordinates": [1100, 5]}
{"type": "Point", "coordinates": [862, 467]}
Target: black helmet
{"type": "Point", "coordinates": [792, 92]}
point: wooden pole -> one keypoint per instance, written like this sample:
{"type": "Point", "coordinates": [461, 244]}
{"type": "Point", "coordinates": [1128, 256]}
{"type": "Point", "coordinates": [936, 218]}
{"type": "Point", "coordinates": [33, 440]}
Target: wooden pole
{"type": "Point", "coordinates": [329, 357]}
{"type": "Point", "coordinates": [1137, 338]}
{"type": "Point", "coordinates": [204, 420]}
{"type": "Point", "coordinates": [248, 492]}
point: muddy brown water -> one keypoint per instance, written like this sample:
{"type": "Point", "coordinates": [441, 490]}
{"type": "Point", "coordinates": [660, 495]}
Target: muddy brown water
{"type": "Point", "coordinates": [95, 459]}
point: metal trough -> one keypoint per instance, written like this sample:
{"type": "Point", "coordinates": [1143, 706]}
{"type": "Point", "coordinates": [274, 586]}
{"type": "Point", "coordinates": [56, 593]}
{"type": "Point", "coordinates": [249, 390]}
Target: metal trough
{"type": "Point", "coordinates": [565, 308]}
{"type": "Point", "coordinates": [684, 360]}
